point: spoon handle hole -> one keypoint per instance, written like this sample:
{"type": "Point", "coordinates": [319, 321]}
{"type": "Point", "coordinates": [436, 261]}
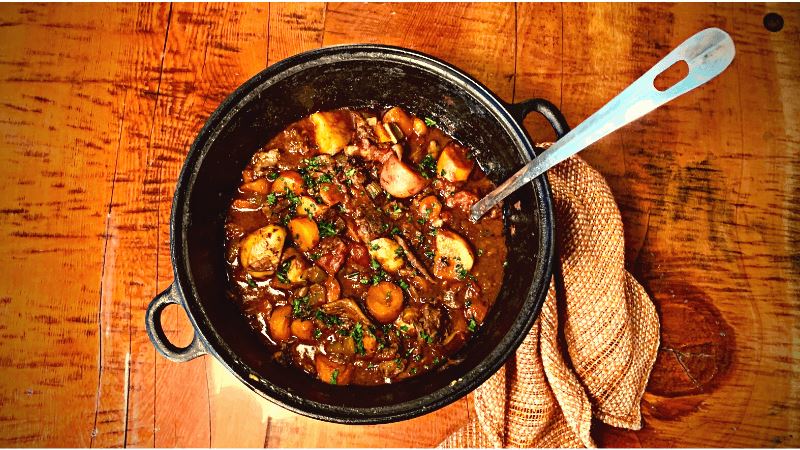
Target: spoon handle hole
{"type": "Point", "coordinates": [671, 76]}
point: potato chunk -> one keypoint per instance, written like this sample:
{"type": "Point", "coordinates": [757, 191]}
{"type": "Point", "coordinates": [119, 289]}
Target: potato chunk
{"type": "Point", "coordinates": [453, 164]}
{"type": "Point", "coordinates": [388, 254]}
{"type": "Point", "coordinates": [333, 130]}
{"type": "Point", "coordinates": [260, 252]}
{"type": "Point", "coordinates": [400, 180]}
{"type": "Point", "coordinates": [293, 266]}
{"type": "Point", "coordinates": [307, 206]}
{"type": "Point", "coordinates": [453, 257]}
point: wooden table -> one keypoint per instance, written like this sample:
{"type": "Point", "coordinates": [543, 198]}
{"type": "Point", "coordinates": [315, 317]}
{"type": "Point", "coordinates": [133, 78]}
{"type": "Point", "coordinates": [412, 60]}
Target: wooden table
{"type": "Point", "coordinates": [99, 104]}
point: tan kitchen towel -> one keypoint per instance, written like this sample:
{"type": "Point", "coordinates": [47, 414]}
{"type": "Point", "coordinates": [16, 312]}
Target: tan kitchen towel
{"type": "Point", "coordinates": [591, 351]}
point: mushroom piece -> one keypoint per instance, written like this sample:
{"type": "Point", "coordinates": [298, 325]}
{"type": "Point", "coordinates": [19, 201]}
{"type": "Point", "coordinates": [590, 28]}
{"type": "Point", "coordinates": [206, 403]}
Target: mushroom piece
{"type": "Point", "coordinates": [400, 180]}
{"type": "Point", "coordinates": [260, 251]}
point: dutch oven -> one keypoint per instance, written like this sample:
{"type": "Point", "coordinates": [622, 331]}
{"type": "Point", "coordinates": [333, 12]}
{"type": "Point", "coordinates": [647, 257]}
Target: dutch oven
{"type": "Point", "coordinates": [373, 76]}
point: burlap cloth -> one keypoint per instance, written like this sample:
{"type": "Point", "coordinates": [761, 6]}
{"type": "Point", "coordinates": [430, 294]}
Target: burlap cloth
{"type": "Point", "coordinates": [591, 351]}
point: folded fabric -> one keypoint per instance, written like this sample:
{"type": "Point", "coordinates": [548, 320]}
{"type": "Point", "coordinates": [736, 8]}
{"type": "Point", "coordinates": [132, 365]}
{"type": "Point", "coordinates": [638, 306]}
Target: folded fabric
{"type": "Point", "coordinates": [591, 350]}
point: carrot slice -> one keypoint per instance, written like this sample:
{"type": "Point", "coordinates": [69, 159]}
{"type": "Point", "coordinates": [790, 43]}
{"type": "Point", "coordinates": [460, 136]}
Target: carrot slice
{"type": "Point", "coordinates": [279, 326]}
{"type": "Point", "coordinates": [332, 372]}
{"type": "Point", "coordinates": [430, 207]}
{"type": "Point", "coordinates": [385, 301]}
{"type": "Point", "coordinates": [288, 179]}
{"type": "Point", "coordinates": [302, 329]}
{"type": "Point", "coordinates": [305, 233]}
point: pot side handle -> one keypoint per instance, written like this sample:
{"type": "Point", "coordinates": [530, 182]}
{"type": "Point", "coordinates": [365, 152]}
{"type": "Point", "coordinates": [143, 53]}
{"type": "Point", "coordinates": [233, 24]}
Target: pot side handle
{"type": "Point", "coordinates": [155, 331]}
{"type": "Point", "coordinates": [548, 110]}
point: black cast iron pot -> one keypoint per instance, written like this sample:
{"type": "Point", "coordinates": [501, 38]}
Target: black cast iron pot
{"type": "Point", "coordinates": [352, 76]}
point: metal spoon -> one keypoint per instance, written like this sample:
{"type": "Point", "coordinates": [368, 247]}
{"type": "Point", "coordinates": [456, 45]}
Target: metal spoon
{"type": "Point", "coordinates": [707, 54]}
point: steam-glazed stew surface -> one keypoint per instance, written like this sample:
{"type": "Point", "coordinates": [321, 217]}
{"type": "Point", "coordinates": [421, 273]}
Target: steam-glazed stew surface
{"type": "Point", "coordinates": [350, 251]}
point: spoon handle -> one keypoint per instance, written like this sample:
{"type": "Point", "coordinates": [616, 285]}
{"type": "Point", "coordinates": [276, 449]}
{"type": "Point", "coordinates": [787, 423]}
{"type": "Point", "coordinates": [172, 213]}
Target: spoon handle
{"type": "Point", "coordinates": [707, 54]}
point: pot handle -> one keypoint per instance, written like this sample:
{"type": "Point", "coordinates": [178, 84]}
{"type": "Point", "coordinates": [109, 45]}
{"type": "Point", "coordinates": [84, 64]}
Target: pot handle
{"type": "Point", "coordinates": [543, 107]}
{"type": "Point", "coordinates": [152, 322]}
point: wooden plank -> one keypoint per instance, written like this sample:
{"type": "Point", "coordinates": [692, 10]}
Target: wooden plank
{"type": "Point", "coordinates": [63, 102]}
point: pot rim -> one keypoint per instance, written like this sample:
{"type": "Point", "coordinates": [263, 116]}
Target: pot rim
{"type": "Point", "coordinates": [184, 286]}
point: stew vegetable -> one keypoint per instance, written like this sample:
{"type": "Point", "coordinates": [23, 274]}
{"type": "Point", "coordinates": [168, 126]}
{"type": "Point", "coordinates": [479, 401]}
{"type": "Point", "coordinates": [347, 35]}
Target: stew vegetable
{"type": "Point", "coordinates": [350, 250]}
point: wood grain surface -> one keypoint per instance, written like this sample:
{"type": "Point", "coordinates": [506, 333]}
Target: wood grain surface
{"type": "Point", "coordinates": [99, 104]}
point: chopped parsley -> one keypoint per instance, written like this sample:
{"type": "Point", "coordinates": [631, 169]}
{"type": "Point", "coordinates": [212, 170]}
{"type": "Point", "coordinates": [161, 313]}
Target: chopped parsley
{"type": "Point", "coordinates": [461, 272]}
{"type": "Point", "coordinates": [272, 176]}
{"type": "Point", "coordinates": [334, 376]}
{"type": "Point", "coordinates": [399, 253]}
{"type": "Point", "coordinates": [430, 122]}
{"type": "Point", "coordinates": [395, 231]}
{"type": "Point", "coordinates": [327, 319]}
{"type": "Point", "coordinates": [272, 199]}
{"type": "Point", "coordinates": [358, 339]}
{"type": "Point", "coordinates": [413, 370]}
{"type": "Point", "coordinates": [317, 333]}
{"type": "Point", "coordinates": [291, 196]}
{"type": "Point", "coordinates": [326, 229]}
{"type": "Point", "coordinates": [429, 254]}
{"type": "Point", "coordinates": [374, 264]}
{"type": "Point", "coordinates": [403, 328]}
{"type": "Point", "coordinates": [300, 307]}
{"type": "Point", "coordinates": [425, 336]}
{"type": "Point", "coordinates": [250, 281]}
{"type": "Point", "coordinates": [350, 172]}
{"type": "Point", "coordinates": [283, 271]}
{"type": "Point", "coordinates": [403, 285]}
{"type": "Point", "coordinates": [378, 277]}
{"type": "Point", "coordinates": [472, 325]}
{"type": "Point", "coordinates": [427, 167]}
{"type": "Point", "coordinates": [312, 163]}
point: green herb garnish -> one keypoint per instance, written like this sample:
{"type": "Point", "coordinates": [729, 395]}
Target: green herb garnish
{"type": "Point", "coordinates": [427, 167]}
{"type": "Point", "coordinates": [358, 339]}
{"type": "Point", "coordinates": [326, 229]}
{"type": "Point", "coordinates": [430, 122]}
{"type": "Point", "coordinates": [334, 376]}
{"type": "Point", "coordinates": [472, 325]}
{"type": "Point", "coordinates": [283, 271]}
